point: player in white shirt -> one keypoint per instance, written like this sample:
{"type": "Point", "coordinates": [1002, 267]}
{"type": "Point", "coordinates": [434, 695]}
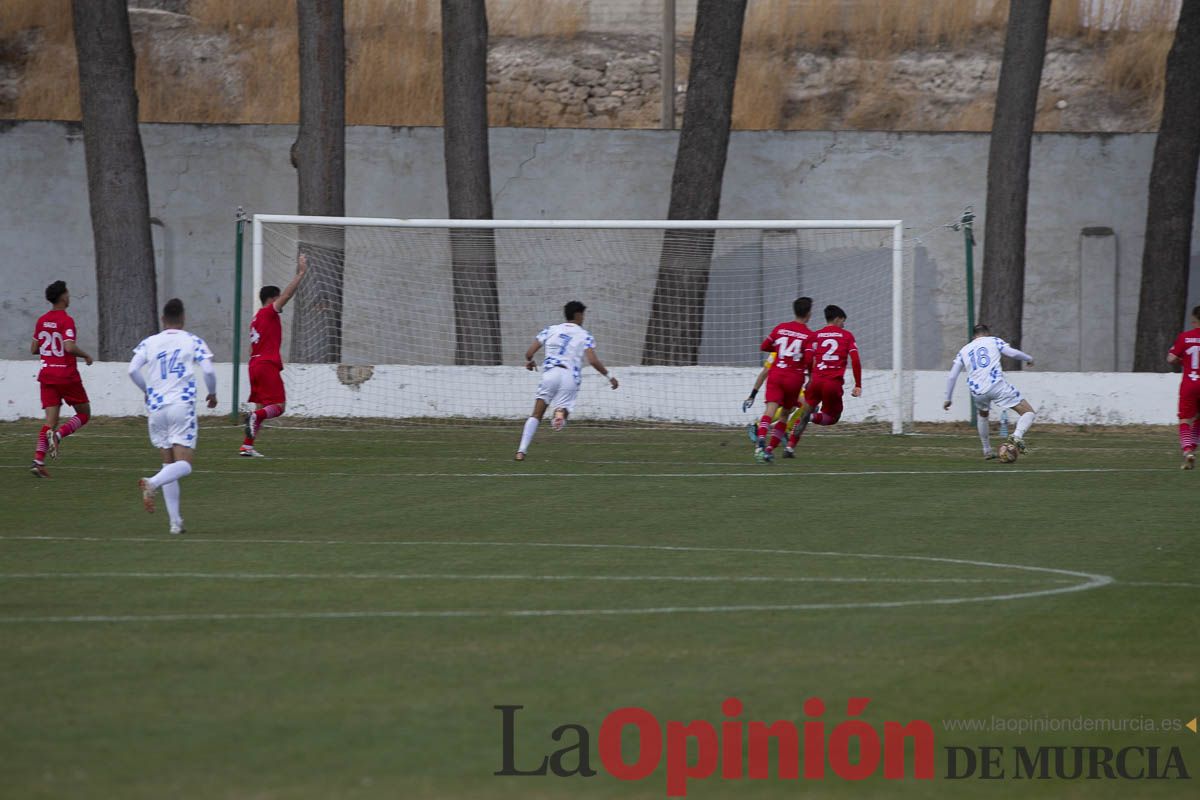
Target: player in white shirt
{"type": "Point", "coordinates": [988, 386]}
{"type": "Point", "coordinates": [170, 389]}
{"type": "Point", "coordinates": [567, 346]}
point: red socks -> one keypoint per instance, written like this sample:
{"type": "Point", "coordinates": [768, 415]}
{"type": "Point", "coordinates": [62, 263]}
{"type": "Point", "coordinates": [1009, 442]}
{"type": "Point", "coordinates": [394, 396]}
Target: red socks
{"type": "Point", "coordinates": [763, 424]}
{"type": "Point", "coordinates": [73, 424]}
{"type": "Point", "coordinates": [777, 435]}
{"type": "Point", "coordinates": [264, 413]}
{"type": "Point", "coordinates": [1187, 436]}
{"type": "Point", "coordinates": [39, 455]}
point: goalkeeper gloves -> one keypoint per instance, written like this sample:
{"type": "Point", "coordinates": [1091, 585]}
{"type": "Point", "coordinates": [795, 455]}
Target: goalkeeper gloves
{"type": "Point", "coordinates": [749, 401]}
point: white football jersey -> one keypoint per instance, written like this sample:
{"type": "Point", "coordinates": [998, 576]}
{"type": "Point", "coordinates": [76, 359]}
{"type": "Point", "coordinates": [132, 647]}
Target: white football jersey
{"type": "Point", "coordinates": [980, 359]}
{"type": "Point", "coordinates": [565, 344]}
{"type": "Point", "coordinates": [170, 377]}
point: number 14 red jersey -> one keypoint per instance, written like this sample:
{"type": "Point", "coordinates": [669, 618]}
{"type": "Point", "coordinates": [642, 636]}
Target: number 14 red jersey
{"type": "Point", "coordinates": [787, 341]}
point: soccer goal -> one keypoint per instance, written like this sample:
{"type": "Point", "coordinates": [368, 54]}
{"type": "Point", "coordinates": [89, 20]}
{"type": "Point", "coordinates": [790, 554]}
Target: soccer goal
{"type": "Point", "coordinates": [418, 320]}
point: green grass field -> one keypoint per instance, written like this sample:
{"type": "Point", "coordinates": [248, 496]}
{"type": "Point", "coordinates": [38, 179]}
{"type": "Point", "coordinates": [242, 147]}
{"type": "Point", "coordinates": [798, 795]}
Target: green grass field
{"type": "Point", "coordinates": [341, 617]}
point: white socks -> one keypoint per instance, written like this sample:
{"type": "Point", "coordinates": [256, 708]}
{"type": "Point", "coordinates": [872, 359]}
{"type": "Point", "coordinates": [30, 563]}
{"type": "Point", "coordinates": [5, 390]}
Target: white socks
{"type": "Point", "coordinates": [531, 426]}
{"type": "Point", "coordinates": [169, 473]}
{"type": "Point", "coordinates": [981, 422]}
{"type": "Point", "coordinates": [171, 495]}
{"type": "Point", "coordinates": [1023, 424]}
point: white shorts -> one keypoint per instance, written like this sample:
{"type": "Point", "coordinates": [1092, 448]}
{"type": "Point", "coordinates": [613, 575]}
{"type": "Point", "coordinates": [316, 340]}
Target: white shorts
{"type": "Point", "coordinates": [558, 388]}
{"type": "Point", "coordinates": [174, 424]}
{"type": "Point", "coordinates": [1001, 394]}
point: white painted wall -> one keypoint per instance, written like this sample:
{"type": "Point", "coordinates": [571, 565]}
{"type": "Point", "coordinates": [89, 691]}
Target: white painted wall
{"type": "Point", "coordinates": [696, 394]}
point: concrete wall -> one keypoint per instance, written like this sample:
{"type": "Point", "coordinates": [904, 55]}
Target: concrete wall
{"type": "Point", "coordinates": [198, 175]}
{"type": "Point", "coordinates": [710, 395]}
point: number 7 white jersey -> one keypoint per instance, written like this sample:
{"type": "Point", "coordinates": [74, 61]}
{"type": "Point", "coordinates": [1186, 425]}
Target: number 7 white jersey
{"type": "Point", "coordinates": [565, 345]}
{"type": "Point", "coordinates": [170, 376]}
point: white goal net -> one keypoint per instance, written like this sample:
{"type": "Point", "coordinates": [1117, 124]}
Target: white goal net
{"type": "Point", "coordinates": [419, 320]}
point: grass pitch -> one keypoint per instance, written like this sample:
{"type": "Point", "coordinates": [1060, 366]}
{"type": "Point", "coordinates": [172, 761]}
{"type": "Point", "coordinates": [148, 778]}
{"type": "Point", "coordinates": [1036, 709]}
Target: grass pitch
{"type": "Point", "coordinates": [341, 617]}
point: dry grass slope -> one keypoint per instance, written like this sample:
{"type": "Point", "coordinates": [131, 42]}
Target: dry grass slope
{"type": "Point", "coordinates": [394, 57]}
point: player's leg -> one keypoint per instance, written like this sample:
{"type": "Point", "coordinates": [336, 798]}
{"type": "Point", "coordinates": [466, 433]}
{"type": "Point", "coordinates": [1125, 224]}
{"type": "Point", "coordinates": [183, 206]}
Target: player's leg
{"type": "Point", "coordinates": [1189, 413]}
{"type": "Point", "coordinates": [831, 404]}
{"type": "Point", "coordinates": [981, 424]}
{"type": "Point", "coordinates": [764, 422]}
{"type": "Point", "coordinates": [269, 396]}
{"type": "Point", "coordinates": [540, 404]}
{"type": "Point", "coordinates": [797, 424]}
{"type": "Point", "coordinates": [171, 490]}
{"type": "Point", "coordinates": [75, 396]}
{"type": "Point", "coordinates": [779, 429]}
{"type": "Point", "coordinates": [1027, 416]}
{"type": "Point", "coordinates": [50, 406]}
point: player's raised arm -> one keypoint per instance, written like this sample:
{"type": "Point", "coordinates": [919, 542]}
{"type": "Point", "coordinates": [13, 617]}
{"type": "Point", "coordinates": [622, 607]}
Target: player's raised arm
{"type": "Point", "coordinates": [594, 360]}
{"type": "Point", "coordinates": [290, 289]}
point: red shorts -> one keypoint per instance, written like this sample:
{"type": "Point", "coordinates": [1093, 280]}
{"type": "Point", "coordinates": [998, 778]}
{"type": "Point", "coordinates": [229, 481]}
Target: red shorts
{"type": "Point", "coordinates": [826, 393]}
{"type": "Point", "coordinates": [1189, 399]}
{"type": "Point", "coordinates": [784, 387]}
{"type": "Point", "coordinates": [266, 383]}
{"type": "Point", "coordinates": [55, 394]}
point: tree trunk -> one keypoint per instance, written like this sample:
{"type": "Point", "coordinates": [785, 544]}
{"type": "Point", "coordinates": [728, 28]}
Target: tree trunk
{"type": "Point", "coordinates": [126, 286]}
{"type": "Point", "coordinates": [677, 311]}
{"type": "Point", "coordinates": [469, 181]}
{"type": "Point", "coordinates": [1167, 253]}
{"type": "Point", "coordinates": [1002, 298]}
{"type": "Point", "coordinates": [319, 156]}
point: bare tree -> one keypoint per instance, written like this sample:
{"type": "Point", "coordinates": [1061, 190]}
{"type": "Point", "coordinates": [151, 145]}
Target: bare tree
{"type": "Point", "coordinates": [1002, 298]}
{"type": "Point", "coordinates": [1167, 253]}
{"type": "Point", "coordinates": [469, 181]}
{"type": "Point", "coordinates": [677, 311]}
{"type": "Point", "coordinates": [319, 156]}
{"type": "Point", "coordinates": [126, 287]}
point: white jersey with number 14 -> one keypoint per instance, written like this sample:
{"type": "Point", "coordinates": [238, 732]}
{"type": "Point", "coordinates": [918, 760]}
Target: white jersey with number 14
{"type": "Point", "coordinates": [170, 377]}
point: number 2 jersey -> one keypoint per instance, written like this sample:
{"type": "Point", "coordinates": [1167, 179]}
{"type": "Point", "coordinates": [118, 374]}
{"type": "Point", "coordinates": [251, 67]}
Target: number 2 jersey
{"type": "Point", "coordinates": [830, 351]}
{"type": "Point", "coordinates": [53, 330]}
{"type": "Point", "coordinates": [1187, 350]}
{"type": "Point", "coordinates": [565, 345]}
{"type": "Point", "coordinates": [787, 342]}
{"type": "Point", "coordinates": [169, 358]}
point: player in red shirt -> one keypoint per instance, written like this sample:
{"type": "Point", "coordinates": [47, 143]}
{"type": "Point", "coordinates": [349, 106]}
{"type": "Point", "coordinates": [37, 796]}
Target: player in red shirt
{"type": "Point", "coordinates": [266, 364]}
{"type": "Point", "coordinates": [1186, 352]}
{"type": "Point", "coordinates": [785, 381]}
{"type": "Point", "coordinates": [829, 350]}
{"type": "Point", "coordinates": [54, 341]}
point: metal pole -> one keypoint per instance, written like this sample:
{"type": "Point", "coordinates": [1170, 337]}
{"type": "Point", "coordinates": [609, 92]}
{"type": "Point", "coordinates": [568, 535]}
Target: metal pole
{"type": "Point", "coordinates": [667, 66]}
{"type": "Point", "coordinates": [967, 222]}
{"type": "Point", "coordinates": [237, 310]}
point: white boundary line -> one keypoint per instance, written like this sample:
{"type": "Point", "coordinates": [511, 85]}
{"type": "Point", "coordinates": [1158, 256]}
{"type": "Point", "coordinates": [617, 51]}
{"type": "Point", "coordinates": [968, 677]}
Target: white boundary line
{"type": "Point", "coordinates": [751, 471]}
{"type": "Point", "coordinates": [1089, 581]}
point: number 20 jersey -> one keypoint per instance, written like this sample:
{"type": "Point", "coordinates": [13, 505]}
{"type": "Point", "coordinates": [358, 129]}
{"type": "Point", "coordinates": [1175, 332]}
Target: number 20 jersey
{"type": "Point", "coordinates": [53, 330]}
{"type": "Point", "coordinates": [170, 357]}
{"type": "Point", "coordinates": [565, 345]}
{"type": "Point", "coordinates": [981, 361]}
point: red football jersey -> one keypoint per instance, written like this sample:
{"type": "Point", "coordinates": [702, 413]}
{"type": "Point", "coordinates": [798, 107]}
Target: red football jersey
{"type": "Point", "coordinates": [1187, 350]}
{"type": "Point", "coordinates": [53, 329]}
{"type": "Point", "coordinates": [830, 350]}
{"type": "Point", "coordinates": [266, 334]}
{"type": "Point", "coordinates": [787, 341]}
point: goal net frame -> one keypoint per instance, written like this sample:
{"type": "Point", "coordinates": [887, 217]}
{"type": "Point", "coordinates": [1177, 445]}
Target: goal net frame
{"type": "Point", "coordinates": [895, 225]}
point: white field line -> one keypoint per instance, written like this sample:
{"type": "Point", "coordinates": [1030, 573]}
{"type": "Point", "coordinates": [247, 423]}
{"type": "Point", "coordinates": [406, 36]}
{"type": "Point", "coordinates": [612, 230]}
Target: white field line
{"type": "Point", "coordinates": [386, 576]}
{"type": "Point", "coordinates": [1088, 581]}
{"type": "Point", "coordinates": [750, 472]}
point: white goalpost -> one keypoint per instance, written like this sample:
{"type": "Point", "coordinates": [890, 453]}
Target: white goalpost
{"type": "Point", "coordinates": [421, 319]}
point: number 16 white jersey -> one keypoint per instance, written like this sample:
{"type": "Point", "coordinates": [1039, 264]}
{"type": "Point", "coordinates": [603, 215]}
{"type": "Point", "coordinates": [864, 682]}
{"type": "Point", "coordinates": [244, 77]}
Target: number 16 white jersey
{"type": "Point", "coordinates": [565, 345]}
{"type": "Point", "coordinates": [170, 356]}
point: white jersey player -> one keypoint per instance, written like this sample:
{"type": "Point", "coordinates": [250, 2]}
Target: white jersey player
{"type": "Point", "coordinates": [567, 345]}
{"type": "Point", "coordinates": [980, 358]}
{"type": "Point", "coordinates": [169, 385]}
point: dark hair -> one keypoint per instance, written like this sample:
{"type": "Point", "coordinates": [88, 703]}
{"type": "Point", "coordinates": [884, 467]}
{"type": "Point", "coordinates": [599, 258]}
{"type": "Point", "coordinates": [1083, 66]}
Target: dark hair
{"type": "Point", "coordinates": [802, 306]}
{"type": "Point", "coordinates": [980, 328]}
{"type": "Point", "coordinates": [833, 312]}
{"type": "Point", "coordinates": [268, 293]}
{"type": "Point", "coordinates": [572, 308]}
{"type": "Point", "coordinates": [1195, 311]}
{"type": "Point", "coordinates": [173, 311]}
{"type": "Point", "coordinates": [55, 291]}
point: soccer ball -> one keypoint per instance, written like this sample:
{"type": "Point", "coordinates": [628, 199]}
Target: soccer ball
{"type": "Point", "coordinates": [1008, 453]}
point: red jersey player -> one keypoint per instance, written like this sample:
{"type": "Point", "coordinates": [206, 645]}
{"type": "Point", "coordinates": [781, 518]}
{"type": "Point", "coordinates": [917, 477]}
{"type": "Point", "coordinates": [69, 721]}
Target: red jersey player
{"type": "Point", "coordinates": [1186, 352]}
{"type": "Point", "coordinates": [54, 341]}
{"type": "Point", "coordinates": [785, 381]}
{"type": "Point", "coordinates": [829, 350]}
{"type": "Point", "coordinates": [266, 364]}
